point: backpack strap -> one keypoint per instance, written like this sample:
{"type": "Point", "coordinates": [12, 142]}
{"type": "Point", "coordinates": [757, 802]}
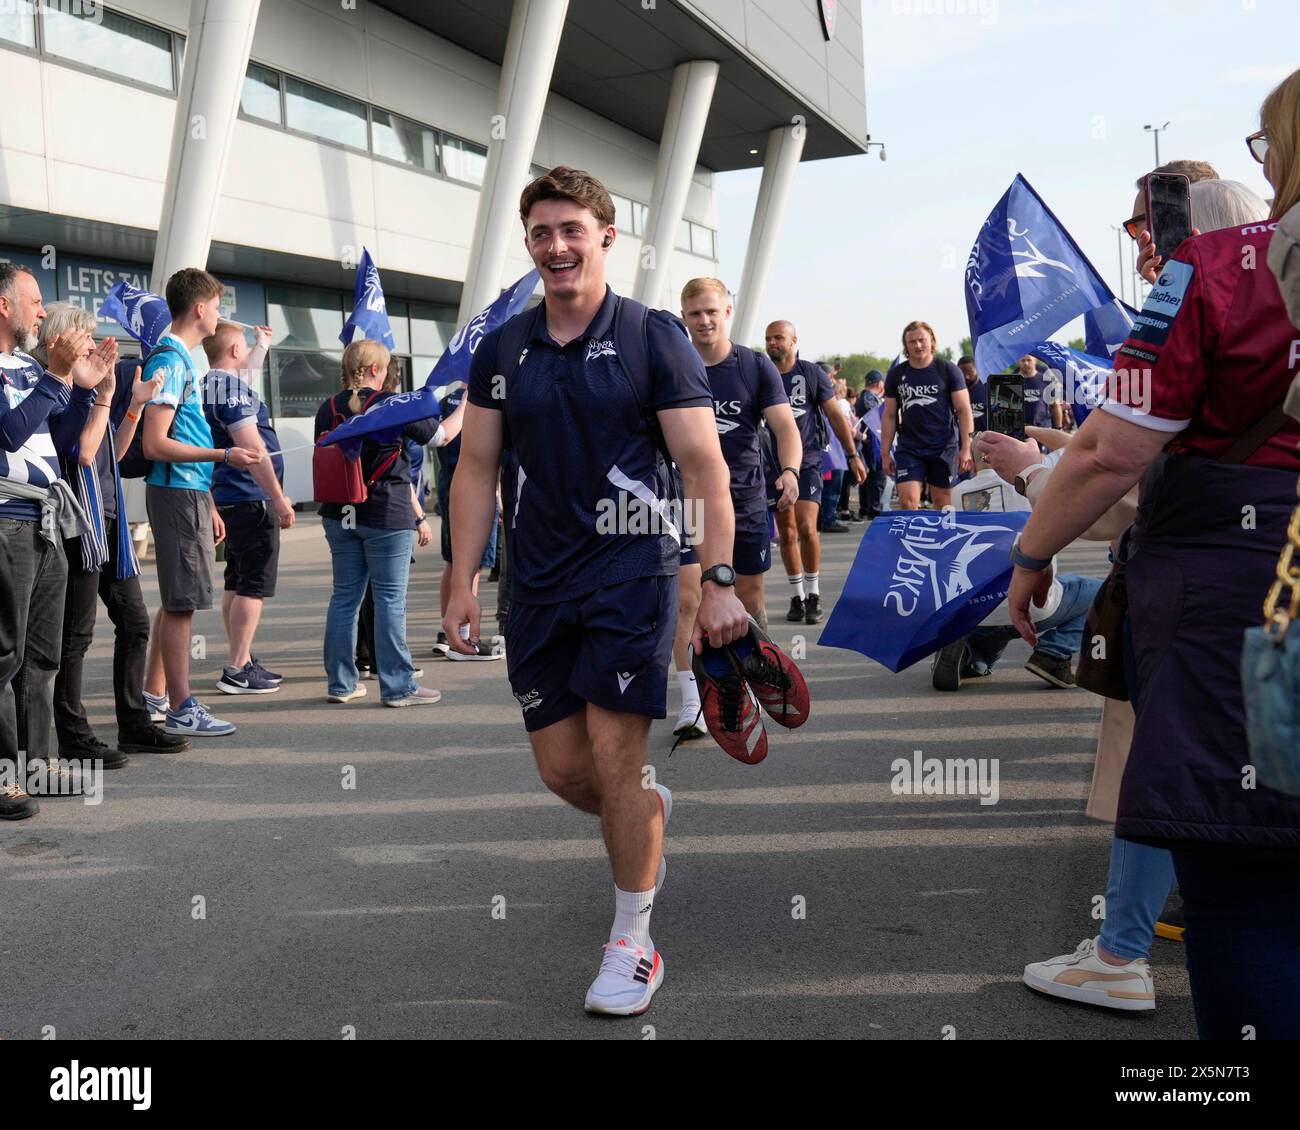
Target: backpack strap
{"type": "Point", "coordinates": [749, 370]}
{"type": "Point", "coordinates": [632, 341]}
{"type": "Point", "coordinates": [511, 344]}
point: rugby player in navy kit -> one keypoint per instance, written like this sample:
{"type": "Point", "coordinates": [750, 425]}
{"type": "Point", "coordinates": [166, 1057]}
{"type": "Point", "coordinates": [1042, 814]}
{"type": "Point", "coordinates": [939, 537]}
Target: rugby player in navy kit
{"type": "Point", "coordinates": [591, 620]}
{"type": "Point", "coordinates": [747, 390]}
{"type": "Point", "coordinates": [810, 391]}
{"type": "Point", "coordinates": [934, 432]}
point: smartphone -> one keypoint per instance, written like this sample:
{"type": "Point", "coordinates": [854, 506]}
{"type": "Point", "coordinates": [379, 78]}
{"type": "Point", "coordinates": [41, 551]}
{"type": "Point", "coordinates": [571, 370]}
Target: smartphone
{"type": "Point", "coordinates": [1006, 410]}
{"type": "Point", "coordinates": [1169, 211]}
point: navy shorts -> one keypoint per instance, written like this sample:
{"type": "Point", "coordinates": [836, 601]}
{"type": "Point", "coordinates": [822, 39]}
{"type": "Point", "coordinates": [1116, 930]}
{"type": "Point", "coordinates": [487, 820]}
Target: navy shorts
{"type": "Point", "coordinates": [937, 470]}
{"type": "Point", "coordinates": [810, 483]}
{"type": "Point", "coordinates": [444, 505]}
{"type": "Point", "coordinates": [751, 553]}
{"type": "Point", "coordinates": [610, 647]}
{"type": "Point", "coordinates": [252, 548]}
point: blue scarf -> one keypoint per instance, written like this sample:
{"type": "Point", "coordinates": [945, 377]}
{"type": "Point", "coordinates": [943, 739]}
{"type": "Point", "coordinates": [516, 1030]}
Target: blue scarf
{"type": "Point", "coordinates": [94, 544]}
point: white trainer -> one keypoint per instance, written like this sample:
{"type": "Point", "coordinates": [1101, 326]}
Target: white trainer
{"type": "Point", "coordinates": [421, 696]}
{"type": "Point", "coordinates": [359, 691]}
{"type": "Point", "coordinates": [666, 802]}
{"type": "Point", "coordinates": [628, 978]}
{"type": "Point", "coordinates": [1083, 976]}
{"type": "Point", "coordinates": [690, 723]}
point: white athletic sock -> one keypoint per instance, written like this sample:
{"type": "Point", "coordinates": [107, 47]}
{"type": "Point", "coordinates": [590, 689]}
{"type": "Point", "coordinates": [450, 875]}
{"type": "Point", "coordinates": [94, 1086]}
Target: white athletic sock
{"type": "Point", "coordinates": [813, 580]}
{"type": "Point", "coordinates": [796, 583]}
{"type": "Point", "coordinates": [632, 915]}
{"type": "Point", "coordinates": [690, 688]}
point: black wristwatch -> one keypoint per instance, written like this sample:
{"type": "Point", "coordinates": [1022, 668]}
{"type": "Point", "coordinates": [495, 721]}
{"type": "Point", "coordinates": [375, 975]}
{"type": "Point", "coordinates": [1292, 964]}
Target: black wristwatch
{"type": "Point", "coordinates": [719, 575]}
{"type": "Point", "coordinates": [793, 470]}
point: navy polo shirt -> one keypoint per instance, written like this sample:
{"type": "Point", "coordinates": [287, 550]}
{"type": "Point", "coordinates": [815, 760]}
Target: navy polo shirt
{"type": "Point", "coordinates": [927, 420]}
{"type": "Point", "coordinates": [588, 471]}
{"type": "Point", "coordinates": [739, 407]}
{"type": "Point", "coordinates": [807, 387]}
{"type": "Point", "coordinates": [979, 404]}
{"type": "Point", "coordinates": [229, 403]}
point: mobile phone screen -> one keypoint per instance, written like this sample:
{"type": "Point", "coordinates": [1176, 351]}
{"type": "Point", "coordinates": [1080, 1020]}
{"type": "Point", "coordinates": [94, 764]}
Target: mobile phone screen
{"type": "Point", "coordinates": [1006, 411]}
{"type": "Point", "coordinates": [1169, 211]}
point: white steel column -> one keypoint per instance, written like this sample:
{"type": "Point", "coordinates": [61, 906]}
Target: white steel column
{"type": "Point", "coordinates": [784, 149]}
{"type": "Point", "coordinates": [216, 57]}
{"type": "Point", "coordinates": [534, 42]}
{"type": "Point", "coordinates": [679, 153]}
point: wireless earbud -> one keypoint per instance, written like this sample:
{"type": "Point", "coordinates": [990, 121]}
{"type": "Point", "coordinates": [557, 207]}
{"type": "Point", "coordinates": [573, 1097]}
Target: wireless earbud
{"type": "Point", "coordinates": [608, 241]}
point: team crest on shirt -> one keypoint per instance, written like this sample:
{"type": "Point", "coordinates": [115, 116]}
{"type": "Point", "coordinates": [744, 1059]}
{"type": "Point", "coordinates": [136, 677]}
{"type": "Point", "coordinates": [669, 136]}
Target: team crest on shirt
{"type": "Point", "coordinates": [726, 426]}
{"type": "Point", "coordinates": [601, 349]}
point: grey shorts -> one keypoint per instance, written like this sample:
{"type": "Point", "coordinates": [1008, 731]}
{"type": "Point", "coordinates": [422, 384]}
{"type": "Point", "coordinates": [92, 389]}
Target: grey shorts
{"type": "Point", "coordinates": [182, 536]}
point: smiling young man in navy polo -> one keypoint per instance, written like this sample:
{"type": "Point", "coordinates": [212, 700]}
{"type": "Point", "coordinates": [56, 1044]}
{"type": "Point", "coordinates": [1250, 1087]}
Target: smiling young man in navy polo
{"type": "Point", "coordinates": [584, 394]}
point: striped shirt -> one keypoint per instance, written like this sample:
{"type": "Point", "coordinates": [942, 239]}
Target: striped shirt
{"type": "Point", "coordinates": [39, 416]}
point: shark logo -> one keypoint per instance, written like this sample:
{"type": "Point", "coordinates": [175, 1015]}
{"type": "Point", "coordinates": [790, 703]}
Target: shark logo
{"type": "Point", "coordinates": [725, 426]}
{"type": "Point", "coordinates": [373, 295]}
{"type": "Point", "coordinates": [529, 700]}
{"type": "Point", "coordinates": [601, 349]}
{"type": "Point", "coordinates": [935, 558]}
{"type": "Point", "coordinates": [1033, 258]}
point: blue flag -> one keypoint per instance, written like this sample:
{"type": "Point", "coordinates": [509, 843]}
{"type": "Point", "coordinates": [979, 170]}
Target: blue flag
{"type": "Point", "coordinates": [369, 311]}
{"type": "Point", "coordinates": [1083, 377]}
{"type": "Point", "coordinates": [143, 314]}
{"type": "Point", "coordinates": [1025, 279]}
{"type": "Point", "coordinates": [922, 579]}
{"type": "Point", "coordinates": [1107, 328]}
{"type": "Point", "coordinates": [386, 420]}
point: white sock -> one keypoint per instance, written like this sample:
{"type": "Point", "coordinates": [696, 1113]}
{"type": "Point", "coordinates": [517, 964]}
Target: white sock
{"type": "Point", "coordinates": [813, 580]}
{"type": "Point", "coordinates": [690, 688]}
{"type": "Point", "coordinates": [632, 915]}
{"type": "Point", "coordinates": [796, 583]}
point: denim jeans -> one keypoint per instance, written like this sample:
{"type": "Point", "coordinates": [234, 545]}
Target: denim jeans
{"type": "Point", "coordinates": [1242, 940]}
{"type": "Point", "coordinates": [381, 558]}
{"type": "Point", "coordinates": [1058, 636]}
{"type": "Point", "coordinates": [1137, 886]}
{"type": "Point", "coordinates": [831, 500]}
{"type": "Point", "coordinates": [33, 576]}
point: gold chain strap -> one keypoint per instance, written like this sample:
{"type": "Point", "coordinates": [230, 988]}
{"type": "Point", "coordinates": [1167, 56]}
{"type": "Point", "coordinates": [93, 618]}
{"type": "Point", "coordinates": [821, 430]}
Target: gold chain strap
{"type": "Point", "coordinates": [1277, 613]}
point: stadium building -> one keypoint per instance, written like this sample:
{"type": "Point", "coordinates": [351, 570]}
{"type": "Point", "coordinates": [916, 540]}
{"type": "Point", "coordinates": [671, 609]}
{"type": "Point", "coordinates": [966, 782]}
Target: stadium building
{"type": "Point", "coordinates": [274, 139]}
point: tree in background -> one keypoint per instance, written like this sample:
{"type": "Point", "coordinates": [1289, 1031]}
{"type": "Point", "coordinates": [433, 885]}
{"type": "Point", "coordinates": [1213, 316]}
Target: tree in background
{"type": "Point", "coordinates": [857, 366]}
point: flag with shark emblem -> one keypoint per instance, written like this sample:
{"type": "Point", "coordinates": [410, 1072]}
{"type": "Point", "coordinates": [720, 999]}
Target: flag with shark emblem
{"type": "Point", "coordinates": [1025, 279]}
{"type": "Point", "coordinates": [922, 579]}
{"type": "Point", "coordinates": [369, 311]}
{"type": "Point", "coordinates": [143, 314]}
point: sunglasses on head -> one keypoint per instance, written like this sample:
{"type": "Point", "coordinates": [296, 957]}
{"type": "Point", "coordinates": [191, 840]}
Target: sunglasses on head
{"type": "Point", "coordinates": [1257, 143]}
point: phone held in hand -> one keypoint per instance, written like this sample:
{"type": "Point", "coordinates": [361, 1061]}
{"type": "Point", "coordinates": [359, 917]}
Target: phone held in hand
{"type": "Point", "coordinates": [1006, 410]}
{"type": "Point", "coordinates": [1169, 211]}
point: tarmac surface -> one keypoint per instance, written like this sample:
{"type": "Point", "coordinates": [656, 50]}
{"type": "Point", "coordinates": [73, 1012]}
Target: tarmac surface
{"type": "Point", "coordinates": [240, 890]}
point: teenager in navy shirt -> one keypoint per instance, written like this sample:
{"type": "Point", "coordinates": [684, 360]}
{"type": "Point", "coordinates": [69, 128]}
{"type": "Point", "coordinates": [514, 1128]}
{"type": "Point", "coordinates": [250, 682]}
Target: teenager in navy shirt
{"type": "Point", "coordinates": [747, 391]}
{"type": "Point", "coordinates": [590, 628]}
{"type": "Point", "coordinates": [812, 400]}
{"type": "Point", "coordinates": [250, 500]}
{"type": "Point", "coordinates": [928, 407]}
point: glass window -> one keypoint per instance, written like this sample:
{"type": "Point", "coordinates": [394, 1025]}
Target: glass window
{"type": "Point", "coordinates": [702, 240]}
{"type": "Point", "coordinates": [110, 42]}
{"type": "Point", "coordinates": [684, 236]}
{"type": "Point", "coordinates": [305, 318]}
{"type": "Point", "coordinates": [463, 160]}
{"type": "Point", "coordinates": [323, 113]}
{"type": "Point", "coordinates": [301, 381]}
{"type": "Point", "coordinates": [639, 213]}
{"type": "Point", "coordinates": [261, 94]}
{"type": "Point", "coordinates": [18, 23]}
{"type": "Point", "coordinates": [622, 213]}
{"type": "Point", "coordinates": [405, 141]}
{"type": "Point", "coordinates": [400, 325]}
{"type": "Point", "coordinates": [432, 327]}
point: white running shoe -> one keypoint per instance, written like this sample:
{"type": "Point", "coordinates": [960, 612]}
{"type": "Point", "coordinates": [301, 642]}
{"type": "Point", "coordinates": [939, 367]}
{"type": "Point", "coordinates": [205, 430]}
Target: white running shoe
{"type": "Point", "coordinates": [690, 723]}
{"type": "Point", "coordinates": [359, 691]}
{"type": "Point", "coordinates": [666, 802]}
{"type": "Point", "coordinates": [1083, 976]}
{"type": "Point", "coordinates": [628, 978]}
{"type": "Point", "coordinates": [421, 696]}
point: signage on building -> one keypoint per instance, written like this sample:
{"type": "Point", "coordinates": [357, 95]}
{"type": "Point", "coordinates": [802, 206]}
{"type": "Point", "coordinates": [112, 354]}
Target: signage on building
{"type": "Point", "coordinates": [829, 9]}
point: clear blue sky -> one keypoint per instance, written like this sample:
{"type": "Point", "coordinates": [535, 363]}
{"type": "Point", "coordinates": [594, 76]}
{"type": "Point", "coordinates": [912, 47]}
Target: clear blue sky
{"type": "Point", "coordinates": [968, 96]}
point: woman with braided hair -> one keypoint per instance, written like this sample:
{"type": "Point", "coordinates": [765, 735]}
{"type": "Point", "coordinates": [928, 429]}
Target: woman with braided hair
{"type": "Point", "coordinates": [370, 542]}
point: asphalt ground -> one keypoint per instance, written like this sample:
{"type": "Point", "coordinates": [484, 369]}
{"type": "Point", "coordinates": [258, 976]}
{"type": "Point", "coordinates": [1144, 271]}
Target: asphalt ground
{"type": "Point", "coordinates": [240, 890]}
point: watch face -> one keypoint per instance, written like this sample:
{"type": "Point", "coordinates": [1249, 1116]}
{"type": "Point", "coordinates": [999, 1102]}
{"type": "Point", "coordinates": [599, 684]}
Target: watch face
{"type": "Point", "coordinates": [722, 574]}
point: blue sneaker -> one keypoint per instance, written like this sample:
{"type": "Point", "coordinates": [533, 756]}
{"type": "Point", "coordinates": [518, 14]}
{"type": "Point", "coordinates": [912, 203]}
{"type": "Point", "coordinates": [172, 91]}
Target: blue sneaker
{"type": "Point", "coordinates": [265, 673]}
{"type": "Point", "coordinates": [157, 706]}
{"type": "Point", "coordinates": [248, 679]}
{"type": "Point", "coordinates": [194, 719]}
